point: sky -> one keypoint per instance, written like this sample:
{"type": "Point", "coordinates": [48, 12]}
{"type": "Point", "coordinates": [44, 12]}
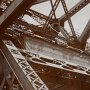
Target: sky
{"type": "Point", "coordinates": [79, 20]}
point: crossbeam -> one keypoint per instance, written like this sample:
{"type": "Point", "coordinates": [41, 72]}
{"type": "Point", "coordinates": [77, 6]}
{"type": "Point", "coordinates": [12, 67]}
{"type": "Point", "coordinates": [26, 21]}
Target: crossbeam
{"type": "Point", "coordinates": [86, 33]}
{"type": "Point", "coordinates": [43, 48]}
{"type": "Point", "coordinates": [39, 17]}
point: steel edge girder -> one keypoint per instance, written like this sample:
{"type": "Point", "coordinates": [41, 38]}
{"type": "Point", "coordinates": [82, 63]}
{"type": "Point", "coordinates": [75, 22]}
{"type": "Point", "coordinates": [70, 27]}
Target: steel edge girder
{"type": "Point", "coordinates": [14, 11]}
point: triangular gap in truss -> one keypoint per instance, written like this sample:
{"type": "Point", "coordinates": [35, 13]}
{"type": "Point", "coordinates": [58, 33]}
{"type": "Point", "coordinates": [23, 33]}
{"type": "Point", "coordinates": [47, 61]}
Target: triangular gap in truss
{"type": "Point", "coordinates": [38, 8]}
{"type": "Point", "coordinates": [59, 11]}
{"type": "Point", "coordinates": [30, 20]}
{"type": "Point", "coordinates": [43, 8]}
{"type": "Point", "coordinates": [72, 3]}
{"type": "Point", "coordinates": [80, 19]}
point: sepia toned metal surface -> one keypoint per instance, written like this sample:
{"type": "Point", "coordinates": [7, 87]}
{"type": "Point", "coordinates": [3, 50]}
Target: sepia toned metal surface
{"type": "Point", "coordinates": [12, 11]}
{"type": "Point", "coordinates": [21, 68]}
{"type": "Point", "coordinates": [32, 54]}
{"type": "Point", "coordinates": [57, 52]}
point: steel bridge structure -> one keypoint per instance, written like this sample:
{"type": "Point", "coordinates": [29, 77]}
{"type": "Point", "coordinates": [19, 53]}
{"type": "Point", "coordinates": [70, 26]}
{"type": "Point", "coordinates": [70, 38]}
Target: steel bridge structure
{"type": "Point", "coordinates": [44, 56]}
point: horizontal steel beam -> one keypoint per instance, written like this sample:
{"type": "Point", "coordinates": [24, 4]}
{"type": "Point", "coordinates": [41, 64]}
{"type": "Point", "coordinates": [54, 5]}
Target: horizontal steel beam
{"type": "Point", "coordinates": [43, 48]}
{"type": "Point", "coordinates": [36, 15]}
{"type": "Point", "coordinates": [74, 10]}
{"type": "Point", "coordinates": [53, 63]}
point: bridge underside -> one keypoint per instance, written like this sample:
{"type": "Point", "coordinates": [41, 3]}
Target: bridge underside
{"type": "Point", "coordinates": [57, 79]}
{"type": "Point", "coordinates": [36, 57]}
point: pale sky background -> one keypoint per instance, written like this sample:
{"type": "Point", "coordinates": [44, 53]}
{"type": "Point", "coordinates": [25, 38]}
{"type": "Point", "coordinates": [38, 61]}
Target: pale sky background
{"type": "Point", "coordinates": [79, 20]}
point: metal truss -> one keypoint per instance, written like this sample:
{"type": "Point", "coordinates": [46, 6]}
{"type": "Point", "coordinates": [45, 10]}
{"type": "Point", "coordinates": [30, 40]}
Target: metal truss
{"type": "Point", "coordinates": [73, 41]}
{"type": "Point", "coordinates": [37, 16]}
{"type": "Point", "coordinates": [52, 12]}
{"type": "Point", "coordinates": [71, 71]}
{"type": "Point", "coordinates": [69, 20]}
{"type": "Point", "coordinates": [49, 34]}
{"type": "Point", "coordinates": [25, 74]}
{"type": "Point", "coordinates": [46, 21]}
{"type": "Point", "coordinates": [80, 5]}
{"type": "Point", "coordinates": [12, 9]}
